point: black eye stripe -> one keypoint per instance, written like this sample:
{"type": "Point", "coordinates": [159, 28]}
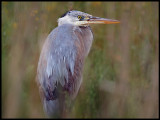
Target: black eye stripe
{"type": "Point", "coordinates": [82, 17]}
{"type": "Point", "coordinates": [65, 14]}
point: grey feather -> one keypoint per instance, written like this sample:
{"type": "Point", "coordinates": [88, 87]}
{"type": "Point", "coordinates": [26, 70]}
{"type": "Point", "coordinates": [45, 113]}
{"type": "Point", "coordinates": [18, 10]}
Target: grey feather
{"type": "Point", "coordinates": [60, 54]}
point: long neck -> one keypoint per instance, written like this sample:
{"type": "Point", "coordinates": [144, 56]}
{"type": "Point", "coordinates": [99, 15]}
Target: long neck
{"type": "Point", "coordinates": [85, 37]}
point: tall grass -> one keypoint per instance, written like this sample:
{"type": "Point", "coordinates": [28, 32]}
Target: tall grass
{"type": "Point", "coordinates": [120, 77]}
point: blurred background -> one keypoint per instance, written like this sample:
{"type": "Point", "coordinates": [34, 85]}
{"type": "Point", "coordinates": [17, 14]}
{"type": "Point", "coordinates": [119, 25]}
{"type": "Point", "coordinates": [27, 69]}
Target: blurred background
{"type": "Point", "coordinates": [120, 77]}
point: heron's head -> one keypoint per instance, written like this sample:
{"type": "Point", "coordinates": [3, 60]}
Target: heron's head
{"type": "Point", "coordinates": [79, 18]}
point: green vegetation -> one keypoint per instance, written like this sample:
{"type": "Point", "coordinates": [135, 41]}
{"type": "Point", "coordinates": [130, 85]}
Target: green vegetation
{"type": "Point", "coordinates": [120, 77]}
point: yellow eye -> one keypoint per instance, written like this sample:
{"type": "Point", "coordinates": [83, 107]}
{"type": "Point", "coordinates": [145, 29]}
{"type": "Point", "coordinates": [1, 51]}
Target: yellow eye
{"type": "Point", "coordinates": [79, 17]}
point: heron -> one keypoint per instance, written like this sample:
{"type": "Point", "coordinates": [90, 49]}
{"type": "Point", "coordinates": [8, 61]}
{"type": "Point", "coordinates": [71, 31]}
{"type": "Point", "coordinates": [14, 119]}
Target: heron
{"type": "Point", "coordinates": [62, 59]}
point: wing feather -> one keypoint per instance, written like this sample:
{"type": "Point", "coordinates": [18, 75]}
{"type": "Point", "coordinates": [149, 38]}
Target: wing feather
{"type": "Point", "coordinates": [61, 59]}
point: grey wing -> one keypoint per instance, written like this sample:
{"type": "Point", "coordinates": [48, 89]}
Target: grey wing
{"type": "Point", "coordinates": [57, 62]}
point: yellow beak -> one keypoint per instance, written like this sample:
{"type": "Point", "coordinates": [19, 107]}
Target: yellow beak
{"type": "Point", "coordinates": [96, 20]}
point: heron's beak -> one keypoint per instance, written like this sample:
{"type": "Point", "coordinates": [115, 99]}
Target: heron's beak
{"type": "Point", "coordinates": [98, 20]}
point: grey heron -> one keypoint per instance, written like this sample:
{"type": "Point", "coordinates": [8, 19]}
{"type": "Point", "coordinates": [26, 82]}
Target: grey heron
{"type": "Point", "coordinates": [62, 58]}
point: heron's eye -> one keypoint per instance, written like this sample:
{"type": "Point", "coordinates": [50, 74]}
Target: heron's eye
{"type": "Point", "coordinates": [79, 17]}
